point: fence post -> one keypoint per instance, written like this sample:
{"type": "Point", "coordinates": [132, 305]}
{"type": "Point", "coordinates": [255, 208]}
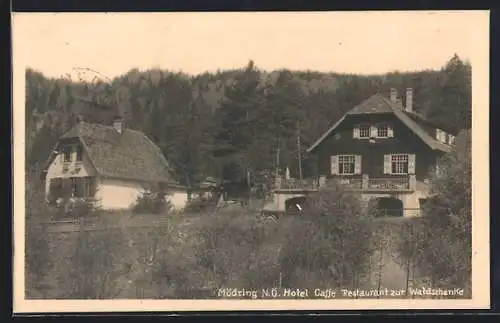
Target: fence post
{"type": "Point", "coordinates": [409, 237]}
{"type": "Point", "coordinates": [82, 243]}
{"type": "Point", "coordinates": [81, 222]}
{"type": "Point", "coordinates": [364, 181]}
{"type": "Point", "coordinates": [380, 265]}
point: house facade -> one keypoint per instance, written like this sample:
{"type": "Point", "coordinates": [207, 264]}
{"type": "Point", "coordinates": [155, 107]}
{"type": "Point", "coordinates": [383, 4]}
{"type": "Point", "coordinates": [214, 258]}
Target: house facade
{"type": "Point", "coordinates": [382, 150]}
{"type": "Point", "coordinates": [110, 164]}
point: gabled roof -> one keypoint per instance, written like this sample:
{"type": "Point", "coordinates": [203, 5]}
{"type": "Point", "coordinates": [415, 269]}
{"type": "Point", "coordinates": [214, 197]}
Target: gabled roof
{"type": "Point", "coordinates": [378, 104]}
{"type": "Point", "coordinates": [127, 155]}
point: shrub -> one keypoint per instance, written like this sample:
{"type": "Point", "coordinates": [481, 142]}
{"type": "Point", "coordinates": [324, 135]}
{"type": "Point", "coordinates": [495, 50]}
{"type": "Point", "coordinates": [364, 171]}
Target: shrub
{"type": "Point", "coordinates": [79, 208]}
{"type": "Point", "coordinates": [152, 201]}
{"type": "Point", "coordinates": [440, 245]}
{"type": "Point", "coordinates": [37, 245]}
{"type": "Point", "coordinates": [329, 243]}
{"type": "Point", "coordinates": [87, 267]}
{"type": "Point", "coordinates": [163, 264]}
{"type": "Point", "coordinates": [447, 253]}
{"type": "Point", "coordinates": [38, 257]}
{"type": "Point", "coordinates": [237, 250]}
{"type": "Point", "coordinates": [200, 204]}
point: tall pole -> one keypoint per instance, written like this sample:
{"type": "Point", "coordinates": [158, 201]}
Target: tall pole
{"type": "Point", "coordinates": [278, 159]}
{"type": "Point", "coordinates": [298, 151]}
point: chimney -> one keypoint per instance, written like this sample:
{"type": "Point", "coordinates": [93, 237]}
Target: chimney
{"type": "Point", "coordinates": [118, 124]}
{"type": "Point", "coordinates": [409, 100]}
{"type": "Point", "coordinates": [394, 95]}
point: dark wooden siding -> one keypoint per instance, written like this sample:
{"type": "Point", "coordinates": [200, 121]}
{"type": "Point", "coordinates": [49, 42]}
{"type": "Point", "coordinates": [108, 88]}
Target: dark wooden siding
{"type": "Point", "coordinates": [404, 141]}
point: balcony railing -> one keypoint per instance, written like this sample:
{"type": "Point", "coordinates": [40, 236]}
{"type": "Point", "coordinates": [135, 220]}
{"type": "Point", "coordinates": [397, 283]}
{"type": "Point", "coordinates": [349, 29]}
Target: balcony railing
{"type": "Point", "coordinates": [389, 184]}
{"type": "Point", "coordinates": [355, 183]}
{"type": "Point", "coordinates": [358, 183]}
{"type": "Point", "coordinates": [294, 183]}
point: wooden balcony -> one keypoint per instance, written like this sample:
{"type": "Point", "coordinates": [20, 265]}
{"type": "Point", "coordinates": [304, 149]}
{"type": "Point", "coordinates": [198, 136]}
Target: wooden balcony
{"type": "Point", "coordinates": [362, 183]}
{"type": "Point", "coordinates": [388, 184]}
{"type": "Point", "coordinates": [297, 184]}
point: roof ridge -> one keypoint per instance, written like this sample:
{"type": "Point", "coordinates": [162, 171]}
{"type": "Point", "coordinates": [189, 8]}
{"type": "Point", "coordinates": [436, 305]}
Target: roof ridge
{"type": "Point", "coordinates": [396, 109]}
{"type": "Point", "coordinates": [393, 105]}
{"type": "Point", "coordinates": [134, 156]}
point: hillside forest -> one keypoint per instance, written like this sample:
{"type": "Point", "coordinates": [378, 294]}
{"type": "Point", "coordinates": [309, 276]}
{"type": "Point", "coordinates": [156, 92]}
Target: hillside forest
{"type": "Point", "coordinates": [230, 122]}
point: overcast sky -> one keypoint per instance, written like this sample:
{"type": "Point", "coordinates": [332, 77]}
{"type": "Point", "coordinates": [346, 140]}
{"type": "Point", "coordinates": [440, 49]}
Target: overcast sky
{"type": "Point", "coordinates": [356, 42]}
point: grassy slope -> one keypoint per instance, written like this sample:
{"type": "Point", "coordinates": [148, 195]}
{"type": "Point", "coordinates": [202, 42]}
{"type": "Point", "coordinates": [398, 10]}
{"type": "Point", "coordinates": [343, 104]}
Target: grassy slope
{"type": "Point", "coordinates": [177, 231]}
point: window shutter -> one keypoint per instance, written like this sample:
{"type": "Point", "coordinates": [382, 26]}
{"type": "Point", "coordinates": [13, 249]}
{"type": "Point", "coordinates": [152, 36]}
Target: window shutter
{"type": "Point", "coordinates": [357, 164]}
{"type": "Point", "coordinates": [387, 164]}
{"type": "Point", "coordinates": [335, 165]}
{"type": "Point", "coordinates": [411, 164]}
{"type": "Point", "coordinates": [390, 132]}
{"type": "Point", "coordinates": [373, 131]}
{"type": "Point", "coordinates": [355, 132]}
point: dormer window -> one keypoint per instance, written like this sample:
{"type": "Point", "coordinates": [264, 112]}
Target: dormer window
{"type": "Point", "coordinates": [451, 139]}
{"type": "Point", "coordinates": [441, 135]}
{"type": "Point", "coordinates": [364, 131]}
{"type": "Point", "coordinates": [67, 154]}
{"type": "Point", "coordinates": [79, 153]}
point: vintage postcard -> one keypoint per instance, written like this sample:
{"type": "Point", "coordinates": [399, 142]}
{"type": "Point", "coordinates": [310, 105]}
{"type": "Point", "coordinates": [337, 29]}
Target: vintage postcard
{"type": "Point", "coordinates": [251, 161]}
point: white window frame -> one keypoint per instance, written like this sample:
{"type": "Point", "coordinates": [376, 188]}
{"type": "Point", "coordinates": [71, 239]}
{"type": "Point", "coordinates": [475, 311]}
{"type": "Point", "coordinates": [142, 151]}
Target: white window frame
{"type": "Point", "coordinates": [399, 160]}
{"type": "Point", "coordinates": [84, 185]}
{"type": "Point", "coordinates": [361, 128]}
{"type": "Point", "coordinates": [342, 164]}
{"type": "Point", "coordinates": [383, 126]}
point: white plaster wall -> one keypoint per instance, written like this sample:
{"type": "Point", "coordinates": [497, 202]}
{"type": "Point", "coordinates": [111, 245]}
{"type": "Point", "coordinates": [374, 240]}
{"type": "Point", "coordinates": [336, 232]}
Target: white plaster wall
{"type": "Point", "coordinates": [117, 194]}
{"type": "Point", "coordinates": [178, 198]}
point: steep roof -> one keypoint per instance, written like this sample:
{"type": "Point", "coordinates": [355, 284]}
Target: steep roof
{"type": "Point", "coordinates": [128, 155]}
{"type": "Point", "coordinates": [378, 104]}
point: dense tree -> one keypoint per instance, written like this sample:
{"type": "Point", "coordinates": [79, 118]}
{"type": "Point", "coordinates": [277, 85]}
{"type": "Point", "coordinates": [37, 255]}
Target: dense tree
{"type": "Point", "coordinates": [441, 244]}
{"type": "Point", "coordinates": [234, 119]}
{"type": "Point", "coordinates": [237, 123]}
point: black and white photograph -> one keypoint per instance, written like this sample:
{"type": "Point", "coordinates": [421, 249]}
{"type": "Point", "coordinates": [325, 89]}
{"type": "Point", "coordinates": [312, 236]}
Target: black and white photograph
{"type": "Point", "coordinates": [250, 160]}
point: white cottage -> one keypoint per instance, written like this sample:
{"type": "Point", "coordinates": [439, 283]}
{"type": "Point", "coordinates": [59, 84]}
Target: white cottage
{"type": "Point", "coordinates": [109, 163]}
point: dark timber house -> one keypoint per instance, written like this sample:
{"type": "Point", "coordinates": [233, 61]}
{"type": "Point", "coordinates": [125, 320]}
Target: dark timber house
{"type": "Point", "coordinates": [381, 149]}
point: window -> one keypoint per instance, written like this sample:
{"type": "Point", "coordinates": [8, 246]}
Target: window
{"type": "Point", "coordinates": [75, 188]}
{"type": "Point", "coordinates": [399, 164]}
{"type": "Point", "coordinates": [382, 130]}
{"type": "Point", "coordinates": [346, 164]}
{"type": "Point", "coordinates": [79, 153]}
{"type": "Point", "coordinates": [441, 135]}
{"type": "Point", "coordinates": [55, 189]}
{"type": "Point", "coordinates": [67, 154]}
{"type": "Point", "coordinates": [364, 131]}
{"type": "Point", "coordinates": [83, 186]}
